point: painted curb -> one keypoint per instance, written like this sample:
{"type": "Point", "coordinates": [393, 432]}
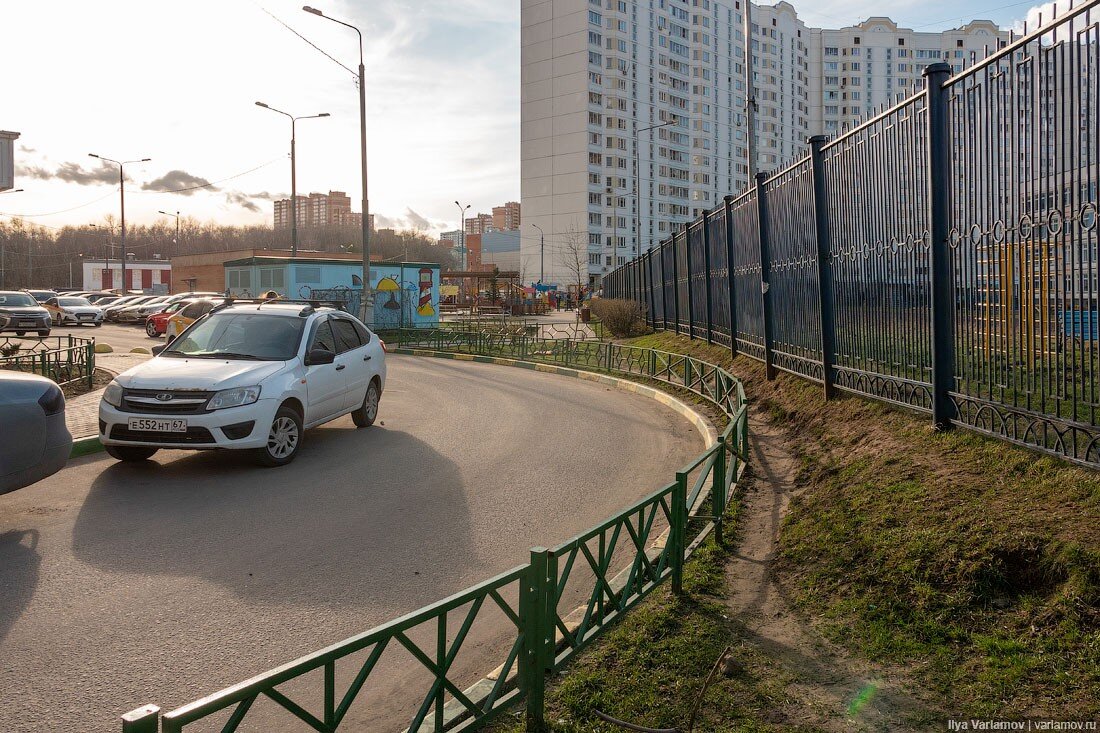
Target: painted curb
{"type": "Point", "coordinates": [454, 710]}
{"type": "Point", "coordinates": [86, 447]}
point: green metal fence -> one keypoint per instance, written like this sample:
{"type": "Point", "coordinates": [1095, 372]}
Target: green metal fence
{"type": "Point", "coordinates": [550, 608]}
{"type": "Point", "coordinates": [64, 359]}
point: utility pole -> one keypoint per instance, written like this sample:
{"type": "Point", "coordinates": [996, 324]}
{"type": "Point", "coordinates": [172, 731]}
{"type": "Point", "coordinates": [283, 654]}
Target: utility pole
{"type": "Point", "coordinates": [750, 97]}
{"type": "Point", "coordinates": [176, 249]}
{"type": "Point", "coordinates": [638, 181]}
{"type": "Point", "coordinates": [462, 228]}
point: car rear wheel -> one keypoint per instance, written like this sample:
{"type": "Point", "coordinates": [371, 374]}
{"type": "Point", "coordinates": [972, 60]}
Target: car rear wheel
{"type": "Point", "coordinates": [284, 438]}
{"type": "Point", "coordinates": [364, 417]}
{"type": "Point", "coordinates": [43, 334]}
{"type": "Point", "coordinates": [150, 329]}
{"type": "Point", "coordinates": [20, 333]}
{"type": "Point", "coordinates": [129, 453]}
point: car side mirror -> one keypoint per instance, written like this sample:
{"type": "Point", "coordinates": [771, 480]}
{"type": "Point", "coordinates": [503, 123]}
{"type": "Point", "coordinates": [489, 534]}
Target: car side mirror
{"type": "Point", "coordinates": [157, 349]}
{"type": "Point", "coordinates": [317, 357]}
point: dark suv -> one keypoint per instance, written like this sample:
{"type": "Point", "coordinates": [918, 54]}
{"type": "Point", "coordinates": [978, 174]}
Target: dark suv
{"type": "Point", "coordinates": [21, 313]}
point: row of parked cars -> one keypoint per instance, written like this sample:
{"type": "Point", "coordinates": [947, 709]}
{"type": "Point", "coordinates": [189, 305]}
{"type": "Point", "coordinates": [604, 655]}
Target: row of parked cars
{"type": "Point", "coordinates": [37, 311]}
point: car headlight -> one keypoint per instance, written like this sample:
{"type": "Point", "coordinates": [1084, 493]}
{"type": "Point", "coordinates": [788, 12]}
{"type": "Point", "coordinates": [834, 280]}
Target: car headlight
{"type": "Point", "coordinates": [233, 398]}
{"type": "Point", "coordinates": [113, 394]}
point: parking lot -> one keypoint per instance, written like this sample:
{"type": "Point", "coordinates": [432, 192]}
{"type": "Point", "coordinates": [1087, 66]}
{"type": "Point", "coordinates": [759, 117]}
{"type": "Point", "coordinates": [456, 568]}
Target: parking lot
{"type": "Point", "coordinates": [122, 337]}
{"type": "Point", "coordinates": [165, 581]}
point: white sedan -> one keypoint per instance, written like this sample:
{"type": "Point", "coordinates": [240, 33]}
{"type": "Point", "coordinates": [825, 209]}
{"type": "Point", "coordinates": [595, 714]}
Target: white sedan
{"type": "Point", "coordinates": [246, 377]}
{"type": "Point", "coordinates": [66, 310]}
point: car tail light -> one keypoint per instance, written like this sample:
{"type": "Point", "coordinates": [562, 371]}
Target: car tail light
{"type": "Point", "coordinates": [384, 349]}
{"type": "Point", "coordinates": [52, 401]}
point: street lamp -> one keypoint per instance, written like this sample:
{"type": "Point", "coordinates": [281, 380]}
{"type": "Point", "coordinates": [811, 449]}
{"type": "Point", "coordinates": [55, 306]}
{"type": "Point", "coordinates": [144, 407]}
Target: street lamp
{"type": "Point", "coordinates": [638, 182]}
{"type": "Point", "coordinates": [363, 154]}
{"type": "Point", "coordinates": [177, 240]}
{"type": "Point", "coordinates": [463, 251]}
{"type": "Point", "coordinates": [293, 173]}
{"type": "Point", "coordinates": [122, 201]}
{"type": "Point", "coordinates": [542, 254]}
{"type": "Point", "coordinates": [81, 257]}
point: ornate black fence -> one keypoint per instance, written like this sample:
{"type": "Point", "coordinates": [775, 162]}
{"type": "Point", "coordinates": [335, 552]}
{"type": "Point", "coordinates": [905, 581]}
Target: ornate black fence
{"type": "Point", "coordinates": [942, 256]}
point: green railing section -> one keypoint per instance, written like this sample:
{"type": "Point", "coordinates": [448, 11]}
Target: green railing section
{"type": "Point", "coordinates": [546, 611]}
{"type": "Point", "coordinates": [64, 359]}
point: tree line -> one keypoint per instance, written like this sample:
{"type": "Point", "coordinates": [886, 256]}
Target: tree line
{"type": "Point", "coordinates": [33, 256]}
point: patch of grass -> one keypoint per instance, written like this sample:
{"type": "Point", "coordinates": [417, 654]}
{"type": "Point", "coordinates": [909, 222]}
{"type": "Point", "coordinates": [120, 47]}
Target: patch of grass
{"type": "Point", "coordinates": [972, 562]}
{"type": "Point", "coordinates": [650, 667]}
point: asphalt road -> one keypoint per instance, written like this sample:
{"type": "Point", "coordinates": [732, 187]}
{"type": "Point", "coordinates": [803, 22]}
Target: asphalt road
{"type": "Point", "coordinates": [122, 585]}
{"type": "Point", "coordinates": [123, 337]}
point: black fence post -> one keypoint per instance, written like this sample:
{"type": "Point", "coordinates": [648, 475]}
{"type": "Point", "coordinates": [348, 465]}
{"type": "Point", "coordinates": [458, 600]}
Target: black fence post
{"type": "Point", "coordinates": [824, 263]}
{"type": "Point", "coordinates": [730, 274]}
{"type": "Point", "coordinates": [690, 277]}
{"type": "Point", "coordinates": [765, 275]}
{"type": "Point", "coordinates": [706, 275]}
{"type": "Point", "coordinates": [664, 290]}
{"type": "Point", "coordinates": [939, 212]}
{"type": "Point", "coordinates": [675, 284]}
{"type": "Point", "coordinates": [651, 310]}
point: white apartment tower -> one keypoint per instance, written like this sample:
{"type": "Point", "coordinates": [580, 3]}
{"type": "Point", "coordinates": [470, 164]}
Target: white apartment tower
{"type": "Point", "coordinates": [633, 111]}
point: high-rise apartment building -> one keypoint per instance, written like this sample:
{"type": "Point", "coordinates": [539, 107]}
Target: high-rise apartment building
{"type": "Point", "coordinates": [320, 210]}
{"type": "Point", "coordinates": [479, 224]}
{"type": "Point", "coordinates": [633, 111]}
{"type": "Point", "coordinates": [506, 218]}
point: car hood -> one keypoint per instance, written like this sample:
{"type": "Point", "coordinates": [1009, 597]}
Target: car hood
{"type": "Point", "coordinates": [24, 310]}
{"type": "Point", "coordinates": [198, 374]}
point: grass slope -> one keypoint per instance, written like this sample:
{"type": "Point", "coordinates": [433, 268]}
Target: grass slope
{"type": "Point", "coordinates": [973, 563]}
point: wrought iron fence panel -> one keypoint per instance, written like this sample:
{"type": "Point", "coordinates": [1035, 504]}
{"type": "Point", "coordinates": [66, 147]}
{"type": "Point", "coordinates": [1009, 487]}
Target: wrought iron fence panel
{"type": "Point", "coordinates": [697, 257]}
{"type": "Point", "coordinates": [64, 359]}
{"type": "Point", "coordinates": [794, 271]}
{"type": "Point", "coordinates": [877, 200]}
{"type": "Point", "coordinates": [747, 284]}
{"type": "Point", "coordinates": [668, 275]}
{"type": "Point", "coordinates": [719, 277]}
{"type": "Point", "coordinates": [1025, 148]}
{"type": "Point", "coordinates": [683, 302]}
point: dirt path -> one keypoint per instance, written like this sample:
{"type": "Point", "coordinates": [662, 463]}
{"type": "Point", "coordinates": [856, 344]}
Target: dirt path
{"type": "Point", "coordinates": [825, 688]}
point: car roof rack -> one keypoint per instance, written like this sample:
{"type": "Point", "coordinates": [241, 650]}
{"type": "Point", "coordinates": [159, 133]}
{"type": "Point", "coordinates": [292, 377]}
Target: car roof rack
{"type": "Point", "coordinates": [311, 305]}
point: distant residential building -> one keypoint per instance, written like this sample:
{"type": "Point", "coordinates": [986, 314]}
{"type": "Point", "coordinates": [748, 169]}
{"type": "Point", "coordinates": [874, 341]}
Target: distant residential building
{"type": "Point", "coordinates": [451, 239]}
{"type": "Point", "coordinates": [7, 159]}
{"type": "Point", "coordinates": [501, 250]}
{"type": "Point", "coordinates": [480, 224]}
{"type": "Point", "coordinates": [506, 218]}
{"type": "Point", "coordinates": [319, 210]}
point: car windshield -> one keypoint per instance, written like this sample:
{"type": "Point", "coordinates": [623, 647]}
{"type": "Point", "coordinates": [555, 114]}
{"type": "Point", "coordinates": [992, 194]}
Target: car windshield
{"type": "Point", "coordinates": [250, 336]}
{"type": "Point", "coordinates": [16, 300]}
{"type": "Point", "coordinates": [73, 301]}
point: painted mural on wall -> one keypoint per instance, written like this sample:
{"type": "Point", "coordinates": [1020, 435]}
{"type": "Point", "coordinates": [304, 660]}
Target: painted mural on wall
{"type": "Point", "coordinates": [406, 296]}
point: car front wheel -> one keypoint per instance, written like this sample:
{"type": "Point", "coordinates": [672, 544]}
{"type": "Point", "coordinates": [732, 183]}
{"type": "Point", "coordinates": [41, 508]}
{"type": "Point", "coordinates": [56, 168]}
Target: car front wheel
{"type": "Point", "coordinates": [150, 329]}
{"type": "Point", "coordinates": [129, 453]}
{"type": "Point", "coordinates": [284, 438]}
{"type": "Point", "coordinates": [364, 417]}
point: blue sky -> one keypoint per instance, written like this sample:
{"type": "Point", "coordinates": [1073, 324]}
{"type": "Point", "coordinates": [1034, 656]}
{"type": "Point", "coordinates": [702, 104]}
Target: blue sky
{"type": "Point", "coordinates": [130, 79]}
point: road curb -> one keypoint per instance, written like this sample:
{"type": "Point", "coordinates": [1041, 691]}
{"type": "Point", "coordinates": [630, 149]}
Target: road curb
{"type": "Point", "coordinates": [86, 447]}
{"type": "Point", "coordinates": [454, 711]}
{"type": "Point", "coordinates": [701, 423]}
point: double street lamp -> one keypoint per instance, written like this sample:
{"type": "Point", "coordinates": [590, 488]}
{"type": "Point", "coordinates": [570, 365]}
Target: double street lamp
{"type": "Point", "coordinates": [122, 203]}
{"type": "Point", "coordinates": [293, 173]}
{"type": "Point", "coordinates": [363, 155]}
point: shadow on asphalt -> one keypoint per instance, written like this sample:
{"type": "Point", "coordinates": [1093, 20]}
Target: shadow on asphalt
{"type": "Point", "coordinates": [19, 560]}
{"type": "Point", "coordinates": [356, 510]}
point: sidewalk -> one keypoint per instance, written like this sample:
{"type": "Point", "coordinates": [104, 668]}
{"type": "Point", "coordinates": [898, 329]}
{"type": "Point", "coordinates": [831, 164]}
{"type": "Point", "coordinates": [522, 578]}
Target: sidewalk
{"type": "Point", "coordinates": [82, 413]}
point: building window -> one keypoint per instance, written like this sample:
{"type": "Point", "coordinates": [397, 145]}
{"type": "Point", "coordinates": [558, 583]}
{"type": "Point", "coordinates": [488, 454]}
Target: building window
{"type": "Point", "coordinates": [307, 275]}
{"type": "Point", "coordinates": [272, 278]}
{"type": "Point", "coordinates": [239, 279]}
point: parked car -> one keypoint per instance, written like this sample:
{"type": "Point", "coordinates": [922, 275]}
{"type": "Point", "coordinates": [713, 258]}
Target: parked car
{"type": "Point", "coordinates": [111, 312]}
{"type": "Point", "coordinates": [24, 314]}
{"type": "Point", "coordinates": [181, 319]}
{"type": "Point", "coordinates": [41, 295]}
{"type": "Point", "coordinates": [100, 298]}
{"type": "Point", "coordinates": [246, 377]}
{"type": "Point", "coordinates": [157, 323]}
{"type": "Point", "coordinates": [36, 441]}
{"type": "Point", "coordinates": [138, 313]}
{"type": "Point", "coordinates": [77, 311]}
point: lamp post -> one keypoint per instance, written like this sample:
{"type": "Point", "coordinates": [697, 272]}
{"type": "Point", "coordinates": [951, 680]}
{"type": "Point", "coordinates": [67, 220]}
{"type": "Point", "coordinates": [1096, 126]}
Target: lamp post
{"type": "Point", "coordinates": [363, 157]}
{"type": "Point", "coordinates": [176, 249]}
{"type": "Point", "coordinates": [462, 228]}
{"type": "Point", "coordinates": [542, 254]}
{"type": "Point", "coordinates": [293, 172]}
{"type": "Point", "coordinates": [122, 202]}
{"type": "Point", "coordinates": [3, 272]}
{"type": "Point", "coordinates": [81, 258]}
{"type": "Point", "coordinates": [638, 181]}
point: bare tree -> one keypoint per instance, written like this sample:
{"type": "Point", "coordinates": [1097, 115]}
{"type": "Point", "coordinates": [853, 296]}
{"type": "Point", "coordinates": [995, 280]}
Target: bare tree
{"type": "Point", "coordinates": [573, 256]}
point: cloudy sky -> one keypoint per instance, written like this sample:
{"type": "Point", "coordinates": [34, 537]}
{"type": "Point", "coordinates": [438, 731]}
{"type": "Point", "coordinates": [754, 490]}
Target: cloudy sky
{"type": "Point", "coordinates": [177, 83]}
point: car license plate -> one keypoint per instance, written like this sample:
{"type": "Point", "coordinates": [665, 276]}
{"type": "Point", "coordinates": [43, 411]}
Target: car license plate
{"type": "Point", "coordinates": [155, 425]}
{"type": "Point", "coordinates": [32, 324]}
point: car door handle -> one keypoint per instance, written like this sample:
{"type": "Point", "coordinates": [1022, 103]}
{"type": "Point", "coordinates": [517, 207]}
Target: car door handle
{"type": "Point", "coordinates": [341, 367]}
{"type": "Point", "coordinates": [368, 357]}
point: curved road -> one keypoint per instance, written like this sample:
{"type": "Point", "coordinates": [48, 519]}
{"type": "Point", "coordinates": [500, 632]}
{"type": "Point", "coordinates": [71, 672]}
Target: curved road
{"type": "Point", "coordinates": [122, 585]}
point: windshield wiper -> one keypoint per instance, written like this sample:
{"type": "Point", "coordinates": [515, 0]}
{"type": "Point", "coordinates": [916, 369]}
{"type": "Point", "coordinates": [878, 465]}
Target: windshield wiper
{"type": "Point", "coordinates": [218, 355]}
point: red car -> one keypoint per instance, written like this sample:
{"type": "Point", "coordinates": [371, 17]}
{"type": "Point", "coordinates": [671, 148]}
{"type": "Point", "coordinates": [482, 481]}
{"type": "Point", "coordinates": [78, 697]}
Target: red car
{"type": "Point", "coordinates": [157, 324]}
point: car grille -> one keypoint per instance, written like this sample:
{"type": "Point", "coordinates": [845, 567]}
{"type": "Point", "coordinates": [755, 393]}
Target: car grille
{"type": "Point", "coordinates": [149, 402]}
{"type": "Point", "coordinates": [193, 436]}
